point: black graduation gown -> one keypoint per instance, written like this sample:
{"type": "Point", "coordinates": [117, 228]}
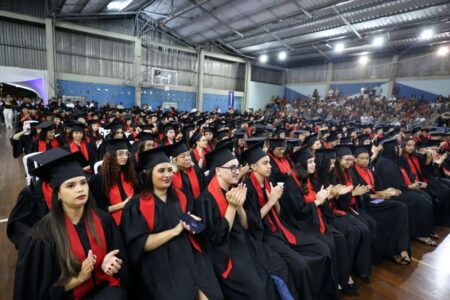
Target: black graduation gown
{"type": "Point", "coordinates": [92, 152]}
{"type": "Point", "coordinates": [186, 184]}
{"type": "Point", "coordinates": [303, 216]}
{"type": "Point", "coordinates": [391, 217]}
{"type": "Point", "coordinates": [252, 261]}
{"type": "Point", "coordinates": [173, 271]}
{"type": "Point", "coordinates": [309, 260]}
{"type": "Point", "coordinates": [102, 199]}
{"type": "Point", "coordinates": [30, 207]}
{"type": "Point", "coordinates": [22, 146]}
{"type": "Point", "coordinates": [420, 207]}
{"type": "Point", "coordinates": [357, 235]}
{"type": "Point", "coordinates": [37, 268]}
{"type": "Point", "coordinates": [438, 190]}
{"type": "Point", "coordinates": [276, 174]}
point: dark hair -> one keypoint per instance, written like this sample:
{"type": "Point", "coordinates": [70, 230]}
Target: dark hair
{"type": "Point", "coordinates": [71, 135]}
{"type": "Point", "coordinates": [53, 226]}
{"type": "Point", "coordinates": [302, 174]}
{"type": "Point", "coordinates": [110, 171]}
{"type": "Point", "coordinates": [323, 169]}
{"type": "Point", "coordinates": [340, 176]}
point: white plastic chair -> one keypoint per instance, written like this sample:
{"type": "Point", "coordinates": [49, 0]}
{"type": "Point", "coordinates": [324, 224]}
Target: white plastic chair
{"type": "Point", "coordinates": [28, 177]}
{"type": "Point", "coordinates": [97, 166]}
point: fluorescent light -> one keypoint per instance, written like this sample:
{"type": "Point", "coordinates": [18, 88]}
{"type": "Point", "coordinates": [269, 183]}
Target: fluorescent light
{"type": "Point", "coordinates": [363, 60]}
{"type": "Point", "coordinates": [263, 58]}
{"type": "Point", "coordinates": [118, 5]}
{"type": "Point", "coordinates": [282, 55]}
{"type": "Point", "coordinates": [443, 51]}
{"type": "Point", "coordinates": [339, 48]}
{"type": "Point", "coordinates": [378, 41]}
{"type": "Point", "coordinates": [426, 34]}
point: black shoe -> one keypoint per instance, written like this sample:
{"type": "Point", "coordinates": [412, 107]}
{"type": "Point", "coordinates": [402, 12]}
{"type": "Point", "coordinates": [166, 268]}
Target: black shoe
{"type": "Point", "coordinates": [348, 290]}
{"type": "Point", "coordinates": [365, 279]}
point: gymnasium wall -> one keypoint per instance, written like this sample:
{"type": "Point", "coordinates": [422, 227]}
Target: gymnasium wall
{"type": "Point", "coordinates": [260, 94]}
{"type": "Point", "coordinates": [430, 89]}
{"type": "Point", "coordinates": [304, 90]}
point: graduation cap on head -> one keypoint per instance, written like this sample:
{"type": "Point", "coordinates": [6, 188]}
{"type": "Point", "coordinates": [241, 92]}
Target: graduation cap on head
{"type": "Point", "coordinates": [253, 154]}
{"type": "Point", "coordinates": [93, 121]}
{"type": "Point", "coordinates": [58, 165]}
{"type": "Point", "coordinates": [145, 136]}
{"type": "Point", "coordinates": [293, 142]}
{"type": "Point", "coordinates": [176, 149]}
{"type": "Point", "coordinates": [194, 138]}
{"type": "Point", "coordinates": [116, 144]}
{"type": "Point", "coordinates": [114, 126]}
{"type": "Point", "coordinates": [150, 158]}
{"type": "Point", "coordinates": [46, 126]}
{"type": "Point", "coordinates": [76, 126]}
{"type": "Point", "coordinates": [342, 150]}
{"type": "Point", "coordinates": [170, 126]}
{"type": "Point", "coordinates": [309, 141]}
{"type": "Point", "coordinates": [187, 128]}
{"type": "Point", "coordinates": [275, 143]}
{"type": "Point", "coordinates": [346, 141]}
{"type": "Point", "coordinates": [240, 133]}
{"type": "Point", "coordinates": [331, 153]}
{"type": "Point", "coordinates": [220, 155]}
{"type": "Point", "coordinates": [362, 149]}
{"type": "Point", "coordinates": [416, 130]}
{"type": "Point", "coordinates": [363, 137]}
{"type": "Point", "coordinates": [221, 135]}
{"type": "Point", "coordinates": [333, 137]}
{"type": "Point", "coordinates": [254, 140]}
{"type": "Point", "coordinates": [389, 144]}
{"type": "Point", "coordinates": [209, 129]}
{"type": "Point", "coordinates": [301, 156]}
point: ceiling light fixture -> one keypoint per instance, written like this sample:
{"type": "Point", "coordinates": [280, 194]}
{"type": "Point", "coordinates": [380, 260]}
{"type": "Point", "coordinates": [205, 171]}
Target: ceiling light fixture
{"type": "Point", "coordinates": [263, 58]}
{"type": "Point", "coordinates": [378, 41]}
{"type": "Point", "coordinates": [339, 48]}
{"type": "Point", "coordinates": [427, 34]}
{"type": "Point", "coordinates": [443, 51]}
{"type": "Point", "coordinates": [363, 60]}
{"type": "Point", "coordinates": [282, 55]}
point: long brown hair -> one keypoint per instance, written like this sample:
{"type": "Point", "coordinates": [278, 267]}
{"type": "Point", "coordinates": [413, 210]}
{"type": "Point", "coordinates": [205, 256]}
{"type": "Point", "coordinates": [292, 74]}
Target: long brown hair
{"type": "Point", "coordinates": [110, 171]}
{"type": "Point", "coordinates": [54, 224]}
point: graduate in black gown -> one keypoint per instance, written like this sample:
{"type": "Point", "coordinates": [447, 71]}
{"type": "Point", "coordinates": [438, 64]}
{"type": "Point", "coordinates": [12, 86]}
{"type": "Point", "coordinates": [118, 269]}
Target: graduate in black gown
{"type": "Point", "coordinates": [419, 166]}
{"type": "Point", "coordinates": [347, 219]}
{"type": "Point", "coordinates": [78, 141]}
{"type": "Point", "coordinates": [75, 251]}
{"type": "Point", "coordinates": [304, 205]}
{"type": "Point", "coordinates": [281, 168]}
{"type": "Point", "coordinates": [167, 261]}
{"type": "Point", "coordinates": [22, 140]}
{"type": "Point", "coordinates": [46, 140]}
{"type": "Point", "coordinates": [242, 264]}
{"type": "Point", "coordinates": [308, 258]}
{"type": "Point", "coordinates": [390, 174]}
{"type": "Point", "coordinates": [391, 216]}
{"type": "Point", "coordinates": [33, 203]}
{"type": "Point", "coordinates": [117, 180]}
{"type": "Point", "coordinates": [187, 176]}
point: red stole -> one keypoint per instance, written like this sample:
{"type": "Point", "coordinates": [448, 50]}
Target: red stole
{"type": "Point", "coordinates": [282, 163]}
{"type": "Point", "coordinates": [115, 196]}
{"type": "Point", "coordinates": [216, 191]}
{"type": "Point", "coordinates": [47, 191]}
{"type": "Point", "coordinates": [99, 250]}
{"type": "Point", "coordinates": [311, 197]}
{"type": "Point", "coordinates": [366, 175]}
{"type": "Point", "coordinates": [272, 215]}
{"type": "Point", "coordinates": [405, 177]}
{"type": "Point", "coordinates": [42, 147]}
{"type": "Point", "coordinates": [147, 209]}
{"type": "Point", "coordinates": [414, 165]}
{"type": "Point", "coordinates": [74, 148]}
{"type": "Point", "coordinates": [167, 143]}
{"type": "Point", "coordinates": [196, 154]}
{"type": "Point", "coordinates": [348, 182]}
{"type": "Point", "coordinates": [177, 181]}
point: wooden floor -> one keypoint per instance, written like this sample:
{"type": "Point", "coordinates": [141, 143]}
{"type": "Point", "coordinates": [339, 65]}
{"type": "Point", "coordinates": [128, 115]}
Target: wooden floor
{"type": "Point", "coordinates": [427, 278]}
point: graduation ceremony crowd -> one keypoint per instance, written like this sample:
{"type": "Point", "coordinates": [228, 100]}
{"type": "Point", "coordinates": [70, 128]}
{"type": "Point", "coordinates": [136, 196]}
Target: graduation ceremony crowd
{"type": "Point", "coordinates": [287, 204]}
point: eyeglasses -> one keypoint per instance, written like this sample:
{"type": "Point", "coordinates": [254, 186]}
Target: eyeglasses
{"type": "Point", "coordinates": [121, 153]}
{"type": "Point", "coordinates": [233, 169]}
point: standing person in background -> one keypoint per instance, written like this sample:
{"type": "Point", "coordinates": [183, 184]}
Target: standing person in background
{"type": "Point", "coordinates": [8, 111]}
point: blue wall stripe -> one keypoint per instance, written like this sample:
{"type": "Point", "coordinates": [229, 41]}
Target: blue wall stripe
{"type": "Point", "coordinates": [291, 94]}
{"type": "Point", "coordinates": [350, 89]}
{"type": "Point", "coordinates": [406, 91]}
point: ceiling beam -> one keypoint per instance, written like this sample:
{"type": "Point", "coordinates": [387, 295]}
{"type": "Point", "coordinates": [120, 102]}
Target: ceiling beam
{"type": "Point", "coordinates": [176, 15]}
{"type": "Point", "coordinates": [349, 25]}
